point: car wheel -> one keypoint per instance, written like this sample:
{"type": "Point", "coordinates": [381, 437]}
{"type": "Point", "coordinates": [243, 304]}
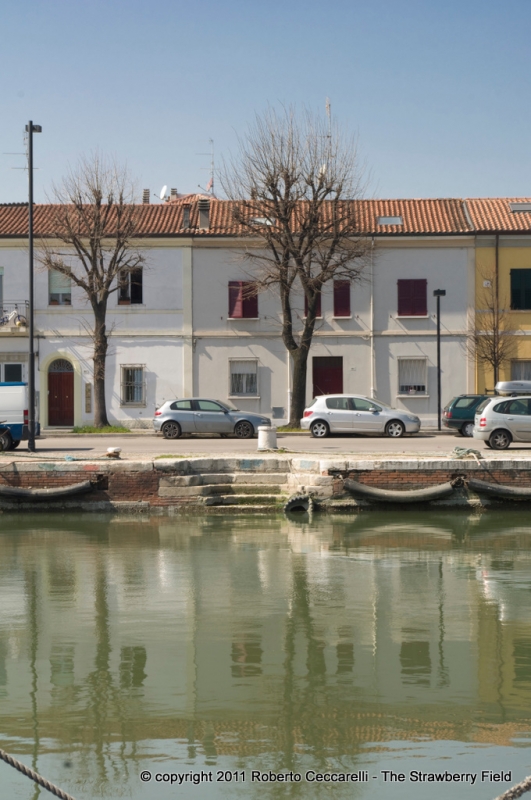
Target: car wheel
{"type": "Point", "coordinates": [500, 440]}
{"type": "Point", "coordinates": [171, 430]}
{"type": "Point", "coordinates": [243, 429]}
{"type": "Point", "coordinates": [467, 429]}
{"type": "Point", "coordinates": [395, 429]}
{"type": "Point", "coordinates": [15, 444]}
{"type": "Point", "coordinates": [320, 430]}
{"type": "Point", "coordinates": [6, 441]}
{"type": "Point", "coordinates": [488, 444]}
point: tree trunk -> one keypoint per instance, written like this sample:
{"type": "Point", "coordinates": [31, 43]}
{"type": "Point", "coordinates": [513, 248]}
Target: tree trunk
{"type": "Point", "coordinates": [298, 390]}
{"type": "Point", "coordinates": [100, 355]}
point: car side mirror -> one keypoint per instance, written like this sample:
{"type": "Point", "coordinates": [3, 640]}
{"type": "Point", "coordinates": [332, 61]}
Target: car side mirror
{"type": "Point", "coordinates": [372, 408]}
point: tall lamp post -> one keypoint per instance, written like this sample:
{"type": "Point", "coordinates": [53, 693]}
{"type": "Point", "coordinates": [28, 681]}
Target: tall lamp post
{"type": "Point", "coordinates": [438, 293]}
{"type": "Point", "coordinates": [30, 130]}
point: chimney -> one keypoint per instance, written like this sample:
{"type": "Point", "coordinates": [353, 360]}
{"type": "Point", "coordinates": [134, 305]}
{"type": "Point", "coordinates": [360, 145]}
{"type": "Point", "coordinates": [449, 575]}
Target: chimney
{"type": "Point", "coordinates": [145, 196]}
{"type": "Point", "coordinates": [204, 213]}
{"type": "Point", "coordinates": [186, 215]}
{"type": "Point", "coordinates": [173, 194]}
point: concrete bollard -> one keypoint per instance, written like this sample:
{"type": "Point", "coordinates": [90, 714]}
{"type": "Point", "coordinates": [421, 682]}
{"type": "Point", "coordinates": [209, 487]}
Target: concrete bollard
{"type": "Point", "coordinates": [267, 437]}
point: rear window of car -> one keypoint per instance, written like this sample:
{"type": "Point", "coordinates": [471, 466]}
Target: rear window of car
{"type": "Point", "coordinates": [338, 402]}
{"type": "Point", "coordinates": [466, 402]}
{"type": "Point", "coordinates": [181, 405]}
{"type": "Point", "coordinates": [483, 405]}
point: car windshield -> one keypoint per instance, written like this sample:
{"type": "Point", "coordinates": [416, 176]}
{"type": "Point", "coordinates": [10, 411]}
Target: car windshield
{"type": "Point", "coordinates": [229, 406]}
{"type": "Point", "coordinates": [380, 403]}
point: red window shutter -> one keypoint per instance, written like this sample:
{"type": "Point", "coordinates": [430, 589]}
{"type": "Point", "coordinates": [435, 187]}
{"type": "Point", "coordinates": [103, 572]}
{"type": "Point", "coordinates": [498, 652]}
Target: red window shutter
{"type": "Point", "coordinates": [318, 307]}
{"type": "Point", "coordinates": [235, 299]}
{"type": "Point", "coordinates": [341, 298]}
{"type": "Point", "coordinates": [412, 298]}
{"type": "Point", "coordinates": [249, 301]}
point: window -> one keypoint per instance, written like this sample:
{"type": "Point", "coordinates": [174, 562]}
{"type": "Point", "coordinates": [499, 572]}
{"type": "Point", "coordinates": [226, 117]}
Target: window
{"type": "Point", "coordinates": [520, 207]}
{"type": "Point", "coordinates": [521, 289]}
{"type": "Point", "coordinates": [181, 405]}
{"type": "Point", "coordinates": [412, 375]}
{"type": "Point", "coordinates": [59, 288]}
{"type": "Point", "coordinates": [318, 312]}
{"type": "Point", "coordinates": [130, 291]}
{"type": "Point", "coordinates": [359, 404]}
{"type": "Point", "coordinates": [521, 370]}
{"type": "Point", "coordinates": [243, 378]}
{"type": "Point", "coordinates": [341, 298]}
{"type": "Point", "coordinates": [210, 405]}
{"type": "Point", "coordinates": [412, 298]}
{"type": "Point", "coordinates": [518, 407]}
{"type": "Point", "coordinates": [133, 385]}
{"type": "Point", "coordinates": [12, 373]}
{"type": "Point", "coordinates": [243, 300]}
{"type": "Point", "coordinates": [390, 221]}
{"type": "Point", "coordinates": [1, 288]}
{"type": "Point", "coordinates": [341, 403]}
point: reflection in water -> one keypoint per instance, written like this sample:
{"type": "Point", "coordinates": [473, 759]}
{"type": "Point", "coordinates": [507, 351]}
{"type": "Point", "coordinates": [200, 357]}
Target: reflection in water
{"type": "Point", "coordinates": [259, 643]}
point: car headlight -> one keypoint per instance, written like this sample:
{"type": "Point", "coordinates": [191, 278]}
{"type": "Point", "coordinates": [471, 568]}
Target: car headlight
{"type": "Point", "coordinates": [412, 419]}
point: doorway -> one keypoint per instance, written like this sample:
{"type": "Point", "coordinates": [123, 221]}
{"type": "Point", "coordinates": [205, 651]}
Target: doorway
{"type": "Point", "coordinates": [327, 375]}
{"type": "Point", "coordinates": [61, 393]}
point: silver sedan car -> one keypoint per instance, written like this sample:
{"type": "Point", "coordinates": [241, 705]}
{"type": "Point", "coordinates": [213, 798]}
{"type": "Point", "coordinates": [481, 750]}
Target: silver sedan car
{"type": "Point", "coordinates": [197, 415]}
{"type": "Point", "coordinates": [349, 413]}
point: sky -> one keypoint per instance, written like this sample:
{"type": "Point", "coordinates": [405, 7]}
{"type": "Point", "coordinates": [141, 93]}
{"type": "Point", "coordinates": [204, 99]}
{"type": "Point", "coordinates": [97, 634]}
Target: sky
{"type": "Point", "coordinates": [437, 94]}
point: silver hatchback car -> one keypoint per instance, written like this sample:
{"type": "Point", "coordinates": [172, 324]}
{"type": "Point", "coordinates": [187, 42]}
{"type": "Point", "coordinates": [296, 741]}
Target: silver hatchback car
{"type": "Point", "coordinates": [502, 420]}
{"type": "Point", "coordinates": [349, 413]}
{"type": "Point", "coordinates": [198, 415]}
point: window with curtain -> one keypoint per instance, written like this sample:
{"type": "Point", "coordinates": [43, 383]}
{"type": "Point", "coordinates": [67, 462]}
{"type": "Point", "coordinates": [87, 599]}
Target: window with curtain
{"type": "Point", "coordinates": [59, 288]}
{"type": "Point", "coordinates": [520, 370]}
{"type": "Point", "coordinates": [243, 378]}
{"type": "Point", "coordinates": [412, 374]}
{"type": "Point", "coordinates": [131, 287]}
{"type": "Point", "coordinates": [133, 385]}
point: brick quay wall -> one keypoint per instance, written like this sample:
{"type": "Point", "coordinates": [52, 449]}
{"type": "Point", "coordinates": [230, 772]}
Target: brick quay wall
{"type": "Point", "coordinates": [261, 484]}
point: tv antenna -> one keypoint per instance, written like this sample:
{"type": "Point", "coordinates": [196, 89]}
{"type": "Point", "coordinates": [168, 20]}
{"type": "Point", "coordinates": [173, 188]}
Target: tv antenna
{"type": "Point", "coordinates": [210, 184]}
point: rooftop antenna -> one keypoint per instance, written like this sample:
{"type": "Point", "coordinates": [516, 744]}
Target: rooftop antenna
{"type": "Point", "coordinates": [210, 184]}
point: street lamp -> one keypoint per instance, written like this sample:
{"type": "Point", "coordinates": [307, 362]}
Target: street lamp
{"type": "Point", "coordinates": [30, 130]}
{"type": "Point", "coordinates": [438, 293]}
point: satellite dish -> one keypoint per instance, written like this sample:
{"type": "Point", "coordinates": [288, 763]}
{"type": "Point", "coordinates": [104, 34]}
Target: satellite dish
{"type": "Point", "coordinates": [162, 194]}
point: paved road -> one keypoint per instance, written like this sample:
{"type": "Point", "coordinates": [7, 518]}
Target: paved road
{"type": "Point", "coordinates": [148, 445]}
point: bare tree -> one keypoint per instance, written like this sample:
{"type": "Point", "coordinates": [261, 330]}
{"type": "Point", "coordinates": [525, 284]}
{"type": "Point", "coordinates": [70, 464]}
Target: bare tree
{"type": "Point", "coordinates": [93, 239]}
{"type": "Point", "coordinates": [292, 181]}
{"type": "Point", "coordinates": [492, 341]}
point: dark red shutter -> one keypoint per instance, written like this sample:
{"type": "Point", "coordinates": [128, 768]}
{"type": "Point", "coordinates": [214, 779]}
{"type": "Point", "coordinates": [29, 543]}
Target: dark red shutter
{"type": "Point", "coordinates": [412, 298]}
{"type": "Point", "coordinates": [318, 306]}
{"type": "Point", "coordinates": [250, 301]}
{"type": "Point", "coordinates": [341, 298]}
{"type": "Point", "coordinates": [235, 299]}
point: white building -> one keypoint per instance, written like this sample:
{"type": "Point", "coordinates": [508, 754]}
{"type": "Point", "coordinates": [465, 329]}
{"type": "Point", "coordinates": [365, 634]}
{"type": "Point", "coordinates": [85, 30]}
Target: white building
{"type": "Point", "coordinates": [182, 327]}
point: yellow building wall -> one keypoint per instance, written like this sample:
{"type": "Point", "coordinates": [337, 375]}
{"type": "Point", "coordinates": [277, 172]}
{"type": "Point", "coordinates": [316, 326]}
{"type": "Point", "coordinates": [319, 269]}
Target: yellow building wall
{"type": "Point", "coordinates": [509, 257]}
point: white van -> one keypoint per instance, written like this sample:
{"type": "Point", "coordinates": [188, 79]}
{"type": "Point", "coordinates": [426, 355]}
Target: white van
{"type": "Point", "coordinates": [14, 412]}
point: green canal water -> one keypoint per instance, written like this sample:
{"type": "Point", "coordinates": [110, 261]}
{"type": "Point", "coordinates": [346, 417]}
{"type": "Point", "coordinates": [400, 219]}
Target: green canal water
{"type": "Point", "coordinates": [232, 651]}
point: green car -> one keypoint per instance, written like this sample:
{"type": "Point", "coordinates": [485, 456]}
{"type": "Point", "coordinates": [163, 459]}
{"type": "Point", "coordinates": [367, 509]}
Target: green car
{"type": "Point", "coordinates": [459, 413]}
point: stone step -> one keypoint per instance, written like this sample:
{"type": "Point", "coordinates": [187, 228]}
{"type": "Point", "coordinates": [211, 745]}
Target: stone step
{"type": "Point", "coordinates": [245, 477]}
{"type": "Point", "coordinates": [168, 488]}
{"type": "Point", "coordinates": [243, 509]}
{"type": "Point", "coordinates": [244, 500]}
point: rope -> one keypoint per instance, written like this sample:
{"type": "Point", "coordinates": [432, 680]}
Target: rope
{"type": "Point", "coordinates": [516, 791]}
{"type": "Point", "coordinates": [463, 452]}
{"type": "Point", "coordinates": [34, 776]}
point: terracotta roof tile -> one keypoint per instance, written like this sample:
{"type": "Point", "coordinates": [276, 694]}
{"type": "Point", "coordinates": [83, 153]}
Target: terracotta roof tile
{"type": "Point", "coordinates": [419, 217]}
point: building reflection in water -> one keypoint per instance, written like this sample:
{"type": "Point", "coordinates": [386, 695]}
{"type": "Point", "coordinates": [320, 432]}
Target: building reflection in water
{"type": "Point", "coordinates": [271, 638]}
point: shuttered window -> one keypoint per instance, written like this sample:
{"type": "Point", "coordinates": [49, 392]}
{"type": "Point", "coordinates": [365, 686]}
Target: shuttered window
{"type": "Point", "coordinates": [341, 298]}
{"type": "Point", "coordinates": [412, 297]}
{"type": "Point", "coordinates": [318, 312]}
{"type": "Point", "coordinates": [521, 289]}
{"type": "Point", "coordinates": [412, 375]}
{"type": "Point", "coordinates": [59, 288]}
{"type": "Point", "coordinates": [243, 377]}
{"type": "Point", "coordinates": [243, 300]}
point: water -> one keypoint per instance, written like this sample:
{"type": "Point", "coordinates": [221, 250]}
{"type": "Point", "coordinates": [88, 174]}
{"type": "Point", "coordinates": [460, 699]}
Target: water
{"type": "Point", "coordinates": [381, 645]}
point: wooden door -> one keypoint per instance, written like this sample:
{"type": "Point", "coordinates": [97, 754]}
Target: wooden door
{"type": "Point", "coordinates": [327, 375]}
{"type": "Point", "coordinates": [61, 398]}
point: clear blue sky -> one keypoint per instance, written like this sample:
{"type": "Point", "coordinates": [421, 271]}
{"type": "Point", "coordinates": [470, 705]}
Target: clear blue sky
{"type": "Point", "coordinates": [437, 93]}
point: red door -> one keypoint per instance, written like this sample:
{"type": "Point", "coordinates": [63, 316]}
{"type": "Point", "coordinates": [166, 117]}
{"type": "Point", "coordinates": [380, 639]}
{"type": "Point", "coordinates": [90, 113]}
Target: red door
{"type": "Point", "coordinates": [327, 375]}
{"type": "Point", "coordinates": [60, 396]}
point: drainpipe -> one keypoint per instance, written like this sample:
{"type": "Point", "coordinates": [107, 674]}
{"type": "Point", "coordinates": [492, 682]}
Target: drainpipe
{"type": "Point", "coordinates": [496, 301]}
{"type": "Point", "coordinates": [289, 382]}
{"type": "Point", "coordinates": [372, 320]}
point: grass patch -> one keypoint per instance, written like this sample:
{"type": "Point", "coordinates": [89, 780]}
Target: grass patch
{"type": "Point", "coordinates": [290, 429]}
{"type": "Point", "coordinates": [106, 429]}
{"type": "Point", "coordinates": [172, 455]}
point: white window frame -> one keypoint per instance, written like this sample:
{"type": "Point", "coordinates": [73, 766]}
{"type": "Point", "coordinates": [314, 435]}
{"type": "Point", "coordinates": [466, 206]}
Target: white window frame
{"type": "Point", "coordinates": [254, 395]}
{"type": "Point", "coordinates": [124, 385]}
{"type": "Point", "coordinates": [515, 361]}
{"type": "Point", "coordinates": [413, 393]}
{"type": "Point", "coordinates": [64, 297]}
